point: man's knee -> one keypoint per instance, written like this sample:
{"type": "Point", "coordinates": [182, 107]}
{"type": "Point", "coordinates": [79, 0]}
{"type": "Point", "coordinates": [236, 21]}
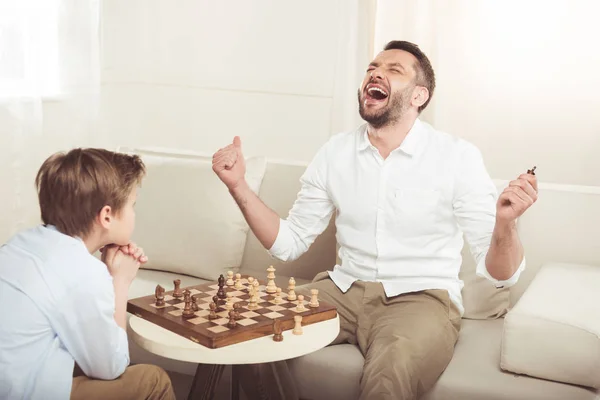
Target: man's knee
{"type": "Point", "coordinates": [154, 381]}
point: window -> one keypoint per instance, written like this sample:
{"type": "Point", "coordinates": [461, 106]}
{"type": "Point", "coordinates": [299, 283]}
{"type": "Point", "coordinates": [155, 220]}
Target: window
{"type": "Point", "coordinates": [29, 48]}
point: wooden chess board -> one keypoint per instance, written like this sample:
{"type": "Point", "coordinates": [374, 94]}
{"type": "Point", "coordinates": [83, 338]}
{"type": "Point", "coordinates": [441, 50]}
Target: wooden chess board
{"type": "Point", "coordinates": [215, 333]}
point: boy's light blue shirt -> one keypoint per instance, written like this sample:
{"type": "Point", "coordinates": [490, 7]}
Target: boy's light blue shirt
{"type": "Point", "coordinates": [57, 306]}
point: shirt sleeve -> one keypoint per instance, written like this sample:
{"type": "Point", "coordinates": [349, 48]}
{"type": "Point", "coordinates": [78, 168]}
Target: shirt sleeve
{"type": "Point", "coordinates": [86, 326]}
{"type": "Point", "coordinates": [310, 214]}
{"type": "Point", "coordinates": [474, 204]}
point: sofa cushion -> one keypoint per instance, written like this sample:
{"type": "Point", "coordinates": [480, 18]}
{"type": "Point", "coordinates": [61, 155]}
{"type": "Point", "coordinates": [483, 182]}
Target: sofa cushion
{"type": "Point", "coordinates": [553, 332]}
{"type": "Point", "coordinates": [187, 221]}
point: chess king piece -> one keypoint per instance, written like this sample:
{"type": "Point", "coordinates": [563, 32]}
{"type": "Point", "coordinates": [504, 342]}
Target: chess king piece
{"type": "Point", "coordinates": [531, 171]}
{"type": "Point", "coordinates": [291, 289]}
{"type": "Point", "coordinates": [194, 303]}
{"type": "Point", "coordinates": [159, 293]}
{"type": "Point", "coordinates": [177, 293]}
{"type": "Point", "coordinates": [314, 299]}
{"type": "Point", "coordinates": [271, 287]}
{"type": "Point", "coordinates": [300, 307]}
{"type": "Point", "coordinates": [277, 331]}
{"type": "Point", "coordinates": [298, 325]}
{"type": "Point", "coordinates": [232, 323]}
{"type": "Point", "coordinates": [238, 282]}
{"type": "Point", "coordinates": [213, 311]}
{"type": "Point", "coordinates": [230, 278]}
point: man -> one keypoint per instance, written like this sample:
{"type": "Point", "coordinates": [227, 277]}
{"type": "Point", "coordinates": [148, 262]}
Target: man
{"type": "Point", "coordinates": [404, 195]}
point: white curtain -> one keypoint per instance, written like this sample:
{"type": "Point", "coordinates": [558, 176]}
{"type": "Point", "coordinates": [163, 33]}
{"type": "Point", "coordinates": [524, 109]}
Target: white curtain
{"type": "Point", "coordinates": [516, 77]}
{"type": "Point", "coordinates": [49, 87]}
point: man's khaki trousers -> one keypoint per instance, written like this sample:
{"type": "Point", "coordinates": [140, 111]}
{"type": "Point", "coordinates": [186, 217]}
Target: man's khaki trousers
{"type": "Point", "coordinates": [407, 341]}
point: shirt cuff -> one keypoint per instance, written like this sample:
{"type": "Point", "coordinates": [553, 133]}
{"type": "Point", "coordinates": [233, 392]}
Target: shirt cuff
{"type": "Point", "coordinates": [482, 271]}
{"type": "Point", "coordinates": [281, 247]}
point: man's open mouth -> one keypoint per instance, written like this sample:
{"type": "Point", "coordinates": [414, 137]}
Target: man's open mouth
{"type": "Point", "coordinates": [375, 92]}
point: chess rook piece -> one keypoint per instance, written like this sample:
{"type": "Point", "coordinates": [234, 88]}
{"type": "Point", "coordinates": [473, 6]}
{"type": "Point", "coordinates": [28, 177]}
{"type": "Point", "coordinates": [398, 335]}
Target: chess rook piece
{"type": "Point", "coordinates": [230, 278]}
{"type": "Point", "coordinates": [238, 282]}
{"type": "Point", "coordinates": [277, 331]}
{"type": "Point", "coordinates": [236, 310]}
{"type": "Point", "coordinates": [177, 293]}
{"type": "Point", "coordinates": [187, 309]}
{"type": "Point", "coordinates": [194, 303]}
{"type": "Point", "coordinates": [212, 314]}
{"type": "Point", "coordinates": [277, 299]}
{"type": "Point", "coordinates": [271, 287]}
{"type": "Point", "coordinates": [314, 299]}
{"type": "Point", "coordinates": [232, 323]}
{"type": "Point", "coordinates": [298, 325]}
{"type": "Point", "coordinates": [159, 293]}
{"type": "Point", "coordinates": [300, 307]}
{"type": "Point", "coordinates": [291, 290]}
{"type": "Point", "coordinates": [531, 171]}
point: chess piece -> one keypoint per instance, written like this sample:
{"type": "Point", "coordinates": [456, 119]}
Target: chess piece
{"type": "Point", "coordinates": [159, 293]}
{"type": "Point", "coordinates": [277, 331]}
{"type": "Point", "coordinates": [187, 309]}
{"type": "Point", "coordinates": [221, 292]}
{"type": "Point", "coordinates": [232, 323]}
{"type": "Point", "coordinates": [238, 282]}
{"type": "Point", "coordinates": [271, 288]}
{"type": "Point", "coordinates": [212, 314]}
{"type": "Point", "coordinates": [236, 309]}
{"type": "Point", "coordinates": [194, 303]}
{"type": "Point", "coordinates": [256, 291]}
{"type": "Point", "coordinates": [277, 299]}
{"type": "Point", "coordinates": [177, 293]}
{"type": "Point", "coordinates": [230, 278]}
{"type": "Point", "coordinates": [314, 299]}
{"type": "Point", "coordinates": [531, 171]}
{"type": "Point", "coordinates": [229, 304]}
{"type": "Point", "coordinates": [298, 326]}
{"type": "Point", "coordinates": [300, 307]}
{"type": "Point", "coordinates": [291, 289]}
{"type": "Point", "coordinates": [216, 300]}
{"type": "Point", "coordinates": [252, 303]}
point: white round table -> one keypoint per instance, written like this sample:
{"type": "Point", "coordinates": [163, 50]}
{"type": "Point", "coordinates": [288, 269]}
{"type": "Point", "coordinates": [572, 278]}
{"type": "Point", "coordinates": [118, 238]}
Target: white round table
{"type": "Point", "coordinates": [211, 362]}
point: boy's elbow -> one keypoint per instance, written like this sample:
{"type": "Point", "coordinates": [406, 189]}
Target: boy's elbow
{"type": "Point", "coordinates": [110, 371]}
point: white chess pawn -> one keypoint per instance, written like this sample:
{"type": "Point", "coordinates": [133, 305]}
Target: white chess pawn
{"type": "Point", "coordinates": [298, 326]}
{"type": "Point", "coordinates": [277, 299]}
{"type": "Point", "coordinates": [300, 306]}
{"type": "Point", "coordinates": [291, 289]}
{"type": "Point", "coordinates": [229, 303]}
{"type": "Point", "coordinates": [238, 281]}
{"type": "Point", "coordinates": [314, 299]}
{"type": "Point", "coordinates": [229, 278]}
{"type": "Point", "coordinates": [255, 290]}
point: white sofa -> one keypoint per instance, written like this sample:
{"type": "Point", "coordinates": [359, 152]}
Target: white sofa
{"type": "Point", "coordinates": [185, 214]}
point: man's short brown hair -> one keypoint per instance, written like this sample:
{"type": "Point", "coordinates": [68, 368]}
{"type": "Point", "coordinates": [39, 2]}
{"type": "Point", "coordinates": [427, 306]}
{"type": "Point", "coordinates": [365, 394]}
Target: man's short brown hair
{"type": "Point", "coordinates": [424, 70]}
{"type": "Point", "coordinates": [73, 187]}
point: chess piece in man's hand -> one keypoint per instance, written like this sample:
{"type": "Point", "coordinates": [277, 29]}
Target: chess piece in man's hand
{"type": "Point", "coordinates": [519, 195]}
{"type": "Point", "coordinates": [229, 164]}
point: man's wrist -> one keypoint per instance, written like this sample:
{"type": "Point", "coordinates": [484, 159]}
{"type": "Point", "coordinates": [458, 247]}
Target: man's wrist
{"type": "Point", "coordinates": [239, 188]}
{"type": "Point", "coordinates": [505, 226]}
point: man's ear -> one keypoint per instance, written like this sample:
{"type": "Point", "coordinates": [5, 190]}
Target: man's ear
{"type": "Point", "coordinates": [420, 96]}
{"type": "Point", "coordinates": [105, 217]}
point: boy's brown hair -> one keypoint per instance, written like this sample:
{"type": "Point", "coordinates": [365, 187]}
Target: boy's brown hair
{"type": "Point", "coordinates": [74, 187]}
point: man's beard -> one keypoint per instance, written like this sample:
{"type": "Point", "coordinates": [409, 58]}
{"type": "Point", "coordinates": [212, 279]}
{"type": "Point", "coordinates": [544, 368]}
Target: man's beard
{"type": "Point", "coordinates": [390, 114]}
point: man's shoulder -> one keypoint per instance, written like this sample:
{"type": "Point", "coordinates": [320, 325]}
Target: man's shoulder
{"type": "Point", "coordinates": [448, 141]}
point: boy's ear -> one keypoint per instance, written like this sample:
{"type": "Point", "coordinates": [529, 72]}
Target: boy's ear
{"type": "Point", "coordinates": [105, 217]}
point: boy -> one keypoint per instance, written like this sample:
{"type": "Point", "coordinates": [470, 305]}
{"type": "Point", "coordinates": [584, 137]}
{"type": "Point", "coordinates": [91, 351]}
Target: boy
{"type": "Point", "coordinates": [60, 305]}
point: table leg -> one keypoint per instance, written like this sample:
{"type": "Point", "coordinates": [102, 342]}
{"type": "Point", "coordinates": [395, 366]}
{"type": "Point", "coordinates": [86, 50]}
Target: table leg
{"type": "Point", "coordinates": [205, 381]}
{"type": "Point", "coordinates": [235, 382]}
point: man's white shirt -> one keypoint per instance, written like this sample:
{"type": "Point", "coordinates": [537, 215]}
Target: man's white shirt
{"type": "Point", "coordinates": [400, 220]}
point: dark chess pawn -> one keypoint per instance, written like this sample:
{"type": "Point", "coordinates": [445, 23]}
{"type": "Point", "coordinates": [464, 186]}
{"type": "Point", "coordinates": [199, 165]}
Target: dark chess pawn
{"type": "Point", "coordinates": [177, 293]}
{"type": "Point", "coordinates": [277, 331]}
{"type": "Point", "coordinates": [221, 292]}
{"type": "Point", "coordinates": [236, 310]}
{"type": "Point", "coordinates": [159, 293]}
{"type": "Point", "coordinates": [187, 309]}
{"type": "Point", "coordinates": [231, 324]}
{"type": "Point", "coordinates": [215, 300]}
{"type": "Point", "coordinates": [213, 308]}
{"type": "Point", "coordinates": [194, 303]}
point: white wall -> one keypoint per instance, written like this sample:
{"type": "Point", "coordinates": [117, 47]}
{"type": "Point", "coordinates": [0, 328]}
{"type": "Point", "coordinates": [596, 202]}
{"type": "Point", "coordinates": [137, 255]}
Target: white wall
{"type": "Point", "coordinates": [192, 74]}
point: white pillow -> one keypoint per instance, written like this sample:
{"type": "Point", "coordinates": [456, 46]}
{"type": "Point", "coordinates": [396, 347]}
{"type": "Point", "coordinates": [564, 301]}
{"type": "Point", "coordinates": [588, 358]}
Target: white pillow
{"type": "Point", "coordinates": [186, 220]}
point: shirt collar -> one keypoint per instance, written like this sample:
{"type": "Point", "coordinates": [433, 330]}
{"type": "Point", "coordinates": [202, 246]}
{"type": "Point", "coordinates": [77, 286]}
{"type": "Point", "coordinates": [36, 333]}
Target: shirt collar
{"type": "Point", "coordinates": [410, 145]}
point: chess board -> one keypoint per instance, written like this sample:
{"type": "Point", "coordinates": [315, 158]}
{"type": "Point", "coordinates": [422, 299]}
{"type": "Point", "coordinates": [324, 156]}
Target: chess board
{"type": "Point", "coordinates": [215, 333]}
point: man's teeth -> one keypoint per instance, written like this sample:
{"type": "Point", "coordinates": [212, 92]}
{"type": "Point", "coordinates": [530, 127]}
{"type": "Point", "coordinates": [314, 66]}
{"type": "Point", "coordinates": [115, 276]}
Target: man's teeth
{"type": "Point", "coordinates": [372, 89]}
